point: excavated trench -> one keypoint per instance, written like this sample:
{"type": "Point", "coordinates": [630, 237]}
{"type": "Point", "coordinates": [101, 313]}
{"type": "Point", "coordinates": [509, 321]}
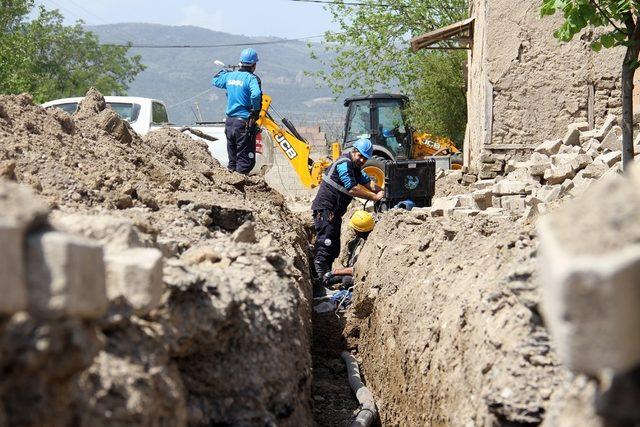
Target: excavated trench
{"type": "Point", "coordinates": [444, 318]}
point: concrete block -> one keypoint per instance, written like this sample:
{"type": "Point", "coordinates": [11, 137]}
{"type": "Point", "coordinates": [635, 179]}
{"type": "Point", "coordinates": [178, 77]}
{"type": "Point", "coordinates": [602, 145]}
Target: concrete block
{"type": "Point", "coordinates": [593, 144]}
{"type": "Point", "coordinates": [469, 178]}
{"type": "Point", "coordinates": [580, 161]}
{"type": "Point", "coordinates": [558, 174]}
{"type": "Point", "coordinates": [539, 169]}
{"type": "Point", "coordinates": [566, 186]}
{"type": "Point", "coordinates": [483, 184]}
{"type": "Point", "coordinates": [609, 122]}
{"type": "Point", "coordinates": [13, 285]}
{"type": "Point", "coordinates": [136, 274]}
{"type": "Point", "coordinates": [581, 126]}
{"type": "Point", "coordinates": [65, 276]}
{"type": "Point", "coordinates": [445, 202]}
{"type": "Point", "coordinates": [590, 304]}
{"type": "Point", "coordinates": [572, 136]}
{"type": "Point", "coordinates": [609, 159]}
{"type": "Point", "coordinates": [466, 201]}
{"type": "Point", "coordinates": [513, 203]}
{"type": "Point", "coordinates": [548, 193]}
{"type": "Point", "coordinates": [613, 140]}
{"type": "Point", "coordinates": [586, 136]}
{"type": "Point", "coordinates": [506, 187]}
{"type": "Point", "coordinates": [496, 202]}
{"type": "Point", "coordinates": [595, 170]}
{"type": "Point", "coordinates": [483, 198]}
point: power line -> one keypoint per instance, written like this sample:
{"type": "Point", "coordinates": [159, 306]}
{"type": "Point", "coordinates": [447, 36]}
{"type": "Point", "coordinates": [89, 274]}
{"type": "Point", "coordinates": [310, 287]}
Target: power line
{"type": "Point", "coordinates": [201, 46]}
{"type": "Point", "coordinates": [346, 3]}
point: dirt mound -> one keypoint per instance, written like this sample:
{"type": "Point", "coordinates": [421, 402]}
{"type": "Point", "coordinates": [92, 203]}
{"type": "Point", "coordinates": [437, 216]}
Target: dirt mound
{"type": "Point", "coordinates": [448, 326]}
{"type": "Point", "coordinates": [230, 342]}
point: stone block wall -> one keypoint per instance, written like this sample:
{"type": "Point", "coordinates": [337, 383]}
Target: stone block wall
{"type": "Point", "coordinates": [525, 86]}
{"type": "Point", "coordinates": [283, 177]}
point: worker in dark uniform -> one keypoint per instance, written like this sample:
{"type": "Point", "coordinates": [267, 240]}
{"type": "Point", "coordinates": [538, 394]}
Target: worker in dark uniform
{"type": "Point", "coordinates": [343, 181]}
{"type": "Point", "coordinates": [361, 224]}
{"type": "Point", "coordinates": [244, 101]}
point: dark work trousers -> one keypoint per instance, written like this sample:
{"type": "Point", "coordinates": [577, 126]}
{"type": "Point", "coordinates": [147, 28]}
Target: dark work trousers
{"type": "Point", "coordinates": [327, 225]}
{"type": "Point", "coordinates": [241, 145]}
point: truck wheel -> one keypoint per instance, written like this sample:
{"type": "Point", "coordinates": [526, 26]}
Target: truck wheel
{"type": "Point", "coordinates": [375, 169]}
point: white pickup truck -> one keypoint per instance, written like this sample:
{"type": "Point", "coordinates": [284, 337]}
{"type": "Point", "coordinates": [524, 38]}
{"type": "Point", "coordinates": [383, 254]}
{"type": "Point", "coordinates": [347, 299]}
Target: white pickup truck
{"type": "Point", "coordinates": [146, 115]}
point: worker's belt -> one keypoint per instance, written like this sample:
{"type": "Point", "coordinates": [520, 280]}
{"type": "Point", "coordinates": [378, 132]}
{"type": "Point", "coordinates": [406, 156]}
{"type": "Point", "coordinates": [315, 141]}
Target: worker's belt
{"type": "Point", "coordinates": [327, 177]}
{"type": "Point", "coordinates": [242, 119]}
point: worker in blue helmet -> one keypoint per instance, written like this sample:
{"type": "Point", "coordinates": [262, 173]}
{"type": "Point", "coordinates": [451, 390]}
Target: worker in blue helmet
{"type": "Point", "coordinates": [342, 181]}
{"type": "Point", "coordinates": [244, 101]}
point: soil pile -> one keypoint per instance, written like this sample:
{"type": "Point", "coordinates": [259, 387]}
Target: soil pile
{"type": "Point", "coordinates": [448, 326]}
{"type": "Point", "coordinates": [230, 342]}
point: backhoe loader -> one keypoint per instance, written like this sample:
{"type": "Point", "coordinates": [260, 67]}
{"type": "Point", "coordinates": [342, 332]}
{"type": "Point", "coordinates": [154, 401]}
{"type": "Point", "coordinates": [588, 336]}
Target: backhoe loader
{"type": "Point", "coordinates": [380, 117]}
{"type": "Point", "coordinates": [293, 146]}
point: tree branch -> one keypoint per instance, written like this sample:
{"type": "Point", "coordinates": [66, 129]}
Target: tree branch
{"type": "Point", "coordinates": [606, 15]}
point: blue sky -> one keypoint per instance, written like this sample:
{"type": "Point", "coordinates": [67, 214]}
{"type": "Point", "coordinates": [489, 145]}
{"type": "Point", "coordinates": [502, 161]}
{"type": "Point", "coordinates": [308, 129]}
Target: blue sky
{"type": "Point", "coordinates": [281, 18]}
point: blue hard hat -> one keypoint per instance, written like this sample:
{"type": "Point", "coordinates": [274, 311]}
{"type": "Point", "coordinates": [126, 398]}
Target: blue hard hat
{"type": "Point", "coordinates": [248, 56]}
{"type": "Point", "coordinates": [364, 146]}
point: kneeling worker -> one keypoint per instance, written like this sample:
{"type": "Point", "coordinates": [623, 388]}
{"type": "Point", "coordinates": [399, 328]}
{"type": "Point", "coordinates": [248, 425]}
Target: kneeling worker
{"type": "Point", "coordinates": [361, 222]}
{"type": "Point", "coordinates": [343, 181]}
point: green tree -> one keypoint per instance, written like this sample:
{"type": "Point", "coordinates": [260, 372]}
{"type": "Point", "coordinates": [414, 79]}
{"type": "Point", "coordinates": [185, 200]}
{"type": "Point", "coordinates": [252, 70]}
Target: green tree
{"type": "Point", "coordinates": [618, 20]}
{"type": "Point", "coordinates": [372, 53]}
{"type": "Point", "coordinates": [44, 57]}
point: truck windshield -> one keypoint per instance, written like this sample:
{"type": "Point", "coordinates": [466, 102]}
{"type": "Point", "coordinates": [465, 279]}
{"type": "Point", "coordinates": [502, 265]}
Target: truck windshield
{"type": "Point", "coordinates": [359, 121]}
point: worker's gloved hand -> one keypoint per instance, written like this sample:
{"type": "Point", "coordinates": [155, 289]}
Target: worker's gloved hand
{"type": "Point", "coordinates": [326, 279]}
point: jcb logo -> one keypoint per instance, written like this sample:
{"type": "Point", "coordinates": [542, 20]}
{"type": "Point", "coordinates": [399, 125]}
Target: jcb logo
{"type": "Point", "coordinates": [286, 146]}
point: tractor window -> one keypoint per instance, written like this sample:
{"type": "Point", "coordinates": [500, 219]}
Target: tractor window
{"type": "Point", "coordinates": [391, 126]}
{"type": "Point", "coordinates": [359, 121]}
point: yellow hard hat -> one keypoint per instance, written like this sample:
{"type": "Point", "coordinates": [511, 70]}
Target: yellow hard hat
{"type": "Point", "coordinates": [362, 221]}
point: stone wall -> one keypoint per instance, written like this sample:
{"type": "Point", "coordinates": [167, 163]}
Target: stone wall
{"type": "Point", "coordinates": [525, 86]}
{"type": "Point", "coordinates": [283, 177]}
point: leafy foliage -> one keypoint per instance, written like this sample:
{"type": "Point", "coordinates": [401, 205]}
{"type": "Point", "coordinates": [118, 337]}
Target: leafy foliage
{"type": "Point", "coordinates": [50, 60]}
{"type": "Point", "coordinates": [372, 54]}
{"type": "Point", "coordinates": [578, 14]}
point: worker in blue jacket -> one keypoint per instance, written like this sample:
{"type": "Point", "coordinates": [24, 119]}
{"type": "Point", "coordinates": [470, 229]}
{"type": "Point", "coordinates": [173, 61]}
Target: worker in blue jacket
{"type": "Point", "coordinates": [343, 181]}
{"type": "Point", "coordinates": [244, 101]}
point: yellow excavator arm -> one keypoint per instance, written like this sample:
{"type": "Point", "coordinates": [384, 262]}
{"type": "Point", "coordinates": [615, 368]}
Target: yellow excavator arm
{"type": "Point", "coordinates": [294, 149]}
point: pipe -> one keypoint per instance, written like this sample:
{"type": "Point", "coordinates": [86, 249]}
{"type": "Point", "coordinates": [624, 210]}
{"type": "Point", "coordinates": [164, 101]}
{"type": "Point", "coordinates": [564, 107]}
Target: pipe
{"type": "Point", "coordinates": [367, 413]}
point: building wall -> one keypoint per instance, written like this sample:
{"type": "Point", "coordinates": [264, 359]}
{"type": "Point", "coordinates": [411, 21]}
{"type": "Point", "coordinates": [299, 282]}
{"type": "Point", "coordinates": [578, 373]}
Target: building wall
{"type": "Point", "coordinates": [283, 177]}
{"type": "Point", "coordinates": [525, 86]}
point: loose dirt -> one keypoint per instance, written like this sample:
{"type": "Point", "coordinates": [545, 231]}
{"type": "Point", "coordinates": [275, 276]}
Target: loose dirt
{"type": "Point", "coordinates": [229, 344]}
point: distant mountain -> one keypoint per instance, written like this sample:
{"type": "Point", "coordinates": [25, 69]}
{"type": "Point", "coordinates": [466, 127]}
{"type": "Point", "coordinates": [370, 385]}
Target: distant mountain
{"type": "Point", "coordinates": [177, 75]}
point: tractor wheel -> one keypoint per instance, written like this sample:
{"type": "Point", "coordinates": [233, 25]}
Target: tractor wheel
{"type": "Point", "coordinates": [456, 161]}
{"type": "Point", "coordinates": [375, 169]}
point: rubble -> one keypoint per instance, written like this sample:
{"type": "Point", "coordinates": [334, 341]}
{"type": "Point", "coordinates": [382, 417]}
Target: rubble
{"type": "Point", "coordinates": [555, 170]}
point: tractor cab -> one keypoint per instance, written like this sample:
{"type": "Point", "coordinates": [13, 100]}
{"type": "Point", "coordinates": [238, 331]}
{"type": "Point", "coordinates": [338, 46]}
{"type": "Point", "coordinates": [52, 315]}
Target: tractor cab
{"type": "Point", "coordinates": [379, 117]}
